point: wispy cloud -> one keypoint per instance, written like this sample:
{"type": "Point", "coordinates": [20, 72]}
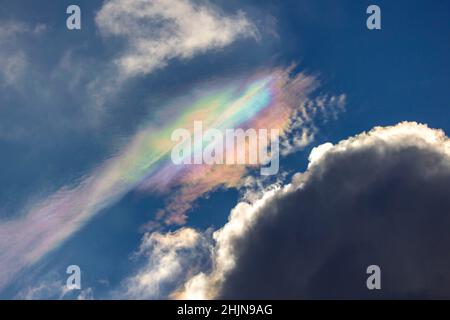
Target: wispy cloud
{"type": "Point", "coordinates": [52, 287]}
{"type": "Point", "coordinates": [159, 30]}
{"type": "Point", "coordinates": [13, 59]}
{"type": "Point", "coordinates": [144, 163]}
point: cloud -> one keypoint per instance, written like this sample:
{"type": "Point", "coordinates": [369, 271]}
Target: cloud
{"type": "Point", "coordinates": [43, 290]}
{"type": "Point", "coordinates": [13, 68]}
{"type": "Point", "coordinates": [266, 99]}
{"type": "Point", "coordinates": [205, 285]}
{"type": "Point", "coordinates": [302, 127]}
{"type": "Point", "coordinates": [377, 198]}
{"type": "Point", "coordinates": [52, 287]}
{"type": "Point", "coordinates": [11, 29]}
{"type": "Point", "coordinates": [41, 96]}
{"type": "Point", "coordinates": [13, 59]}
{"type": "Point", "coordinates": [168, 257]}
{"type": "Point", "coordinates": [160, 30]}
{"type": "Point", "coordinates": [292, 109]}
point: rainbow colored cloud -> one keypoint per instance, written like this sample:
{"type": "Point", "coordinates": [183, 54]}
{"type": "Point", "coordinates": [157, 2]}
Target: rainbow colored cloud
{"type": "Point", "coordinates": [271, 99]}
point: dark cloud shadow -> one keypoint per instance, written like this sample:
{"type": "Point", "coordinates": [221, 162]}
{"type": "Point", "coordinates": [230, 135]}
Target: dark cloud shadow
{"type": "Point", "coordinates": [383, 204]}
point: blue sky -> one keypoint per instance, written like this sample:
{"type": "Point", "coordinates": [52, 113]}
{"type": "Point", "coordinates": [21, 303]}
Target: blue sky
{"type": "Point", "coordinates": [60, 119]}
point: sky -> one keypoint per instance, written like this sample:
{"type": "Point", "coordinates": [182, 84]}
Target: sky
{"type": "Point", "coordinates": [87, 174]}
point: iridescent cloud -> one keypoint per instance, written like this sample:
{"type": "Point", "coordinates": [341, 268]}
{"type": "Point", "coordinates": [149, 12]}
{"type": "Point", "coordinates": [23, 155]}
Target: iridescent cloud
{"type": "Point", "coordinates": [268, 99]}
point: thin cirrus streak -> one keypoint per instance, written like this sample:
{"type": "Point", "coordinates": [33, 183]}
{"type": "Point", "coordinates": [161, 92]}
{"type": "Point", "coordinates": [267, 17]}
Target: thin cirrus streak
{"type": "Point", "coordinates": [264, 100]}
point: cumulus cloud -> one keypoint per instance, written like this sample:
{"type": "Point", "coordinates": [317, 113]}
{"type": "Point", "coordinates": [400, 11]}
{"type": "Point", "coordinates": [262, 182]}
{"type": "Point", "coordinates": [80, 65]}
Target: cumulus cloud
{"type": "Point", "coordinates": [168, 257]}
{"type": "Point", "coordinates": [206, 285]}
{"type": "Point", "coordinates": [159, 30]}
{"type": "Point", "coordinates": [377, 198]}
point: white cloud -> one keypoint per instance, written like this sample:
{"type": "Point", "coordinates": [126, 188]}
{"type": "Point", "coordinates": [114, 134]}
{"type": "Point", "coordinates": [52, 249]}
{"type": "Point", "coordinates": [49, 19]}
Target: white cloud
{"type": "Point", "coordinates": [13, 59]}
{"type": "Point", "coordinates": [319, 152]}
{"type": "Point", "coordinates": [43, 290]}
{"type": "Point", "coordinates": [13, 67]}
{"type": "Point", "coordinates": [159, 30]}
{"type": "Point", "coordinates": [302, 128]}
{"type": "Point", "coordinates": [53, 288]}
{"type": "Point", "coordinates": [168, 257]}
{"type": "Point", "coordinates": [11, 29]}
{"type": "Point", "coordinates": [207, 285]}
{"type": "Point", "coordinates": [86, 294]}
